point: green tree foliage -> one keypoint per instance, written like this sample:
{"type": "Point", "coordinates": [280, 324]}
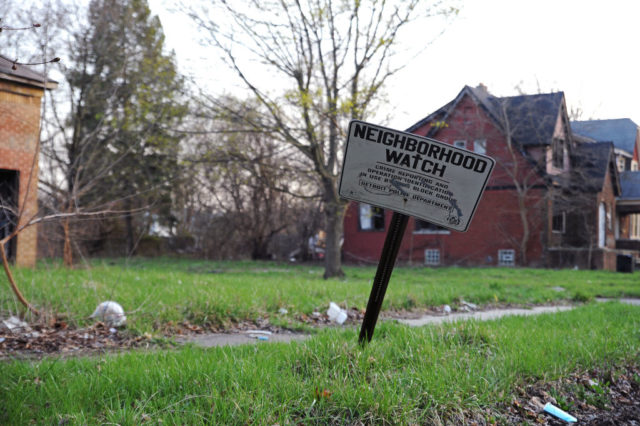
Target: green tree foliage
{"type": "Point", "coordinates": [125, 93]}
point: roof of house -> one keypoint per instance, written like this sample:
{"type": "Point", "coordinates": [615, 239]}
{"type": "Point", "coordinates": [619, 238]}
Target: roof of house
{"type": "Point", "coordinates": [531, 118]}
{"type": "Point", "coordinates": [630, 185]}
{"type": "Point", "coordinates": [622, 131]}
{"type": "Point", "coordinates": [24, 74]}
{"type": "Point", "coordinates": [591, 164]}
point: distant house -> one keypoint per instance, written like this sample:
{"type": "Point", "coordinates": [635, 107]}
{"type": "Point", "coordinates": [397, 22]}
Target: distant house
{"type": "Point", "coordinates": [551, 200]}
{"type": "Point", "coordinates": [21, 91]}
{"type": "Point", "coordinates": [622, 132]}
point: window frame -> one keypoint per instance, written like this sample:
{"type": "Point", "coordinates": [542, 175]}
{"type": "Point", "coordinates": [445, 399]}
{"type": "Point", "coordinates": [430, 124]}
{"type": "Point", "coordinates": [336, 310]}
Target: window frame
{"type": "Point", "coordinates": [563, 216]}
{"type": "Point", "coordinates": [480, 142]}
{"type": "Point", "coordinates": [558, 153]}
{"type": "Point", "coordinates": [433, 254]}
{"type": "Point", "coordinates": [460, 143]}
{"type": "Point", "coordinates": [381, 214]}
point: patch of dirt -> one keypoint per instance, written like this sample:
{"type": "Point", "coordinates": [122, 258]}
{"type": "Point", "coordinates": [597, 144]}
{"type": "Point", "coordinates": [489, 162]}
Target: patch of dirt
{"type": "Point", "coordinates": [58, 338]}
{"type": "Point", "coordinates": [599, 397]}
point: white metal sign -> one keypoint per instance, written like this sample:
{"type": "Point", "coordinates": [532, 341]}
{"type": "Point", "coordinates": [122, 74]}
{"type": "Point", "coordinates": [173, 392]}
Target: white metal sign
{"type": "Point", "coordinates": [413, 175]}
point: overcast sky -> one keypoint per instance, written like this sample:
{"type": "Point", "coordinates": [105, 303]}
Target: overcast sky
{"type": "Point", "coordinates": [587, 49]}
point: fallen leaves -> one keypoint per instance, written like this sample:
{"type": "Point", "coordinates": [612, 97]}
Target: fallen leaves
{"type": "Point", "coordinates": [57, 337]}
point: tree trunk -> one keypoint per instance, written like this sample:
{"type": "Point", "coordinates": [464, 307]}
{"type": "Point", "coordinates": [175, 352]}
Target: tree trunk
{"type": "Point", "coordinates": [67, 251]}
{"type": "Point", "coordinates": [334, 224]}
{"type": "Point", "coordinates": [525, 228]}
{"type": "Point", "coordinates": [128, 220]}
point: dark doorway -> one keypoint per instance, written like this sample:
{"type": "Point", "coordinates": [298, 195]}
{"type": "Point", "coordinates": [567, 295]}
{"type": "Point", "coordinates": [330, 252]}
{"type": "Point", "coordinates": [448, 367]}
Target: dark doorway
{"type": "Point", "coordinates": [9, 187]}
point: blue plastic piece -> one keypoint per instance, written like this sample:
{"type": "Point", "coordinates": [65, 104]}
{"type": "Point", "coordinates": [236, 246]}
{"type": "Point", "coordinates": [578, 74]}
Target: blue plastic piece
{"type": "Point", "coordinates": [562, 415]}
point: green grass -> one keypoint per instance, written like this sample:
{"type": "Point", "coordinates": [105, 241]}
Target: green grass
{"type": "Point", "coordinates": [406, 375]}
{"type": "Point", "coordinates": [161, 292]}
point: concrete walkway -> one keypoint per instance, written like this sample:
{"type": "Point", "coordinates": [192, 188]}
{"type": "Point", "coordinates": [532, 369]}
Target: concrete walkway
{"type": "Point", "coordinates": [249, 337]}
{"type": "Point", "coordinates": [482, 315]}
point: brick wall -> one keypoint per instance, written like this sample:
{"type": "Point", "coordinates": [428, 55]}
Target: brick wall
{"type": "Point", "coordinates": [19, 133]}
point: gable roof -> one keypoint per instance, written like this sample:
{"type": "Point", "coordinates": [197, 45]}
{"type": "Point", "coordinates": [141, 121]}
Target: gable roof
{"type": "Point", "coordinates": [592, 161]}
{"type": "Point", "coordinates": [24, 74]}
{"type": "Point", "coordinates": [630, 185]}
{"type": "Point", "coordinates": [532, 118]}
{"type": "Point", "coordinates": [622, 131]}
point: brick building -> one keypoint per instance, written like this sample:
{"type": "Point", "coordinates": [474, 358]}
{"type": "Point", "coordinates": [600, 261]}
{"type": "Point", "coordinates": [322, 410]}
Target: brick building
{"type": "Point", "coordinates": [551, 199]}
{"type": "Point", "coordinates": [21, 92]}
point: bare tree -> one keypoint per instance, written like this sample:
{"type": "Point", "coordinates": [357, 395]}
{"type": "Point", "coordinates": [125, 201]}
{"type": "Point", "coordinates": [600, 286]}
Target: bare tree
{"type": "Point", "coordinates": [244, 175]}
{"type": "Point", "coordinates": [330, 59]}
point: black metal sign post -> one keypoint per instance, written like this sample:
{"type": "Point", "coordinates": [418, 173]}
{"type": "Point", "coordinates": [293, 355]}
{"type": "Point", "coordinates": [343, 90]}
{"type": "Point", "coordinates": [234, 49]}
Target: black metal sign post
{"type": "Point", "coordinates": [383, 274]}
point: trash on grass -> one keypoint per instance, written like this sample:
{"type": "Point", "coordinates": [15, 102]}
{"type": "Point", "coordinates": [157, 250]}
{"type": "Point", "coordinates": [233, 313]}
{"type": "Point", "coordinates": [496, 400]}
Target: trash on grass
{"type": "Point", "coordinates": [110, 312]}
{"type": "Point", "coordinates": [16, 325]}
{"type": "Point", "coordinates": [268, 333]}
{"type": "Point", "coordinates": [336, 313]}
{"type": "Point", "coordinates": [561, 414]}
{"type": "Point", "coordinates": [258, 334]}
{"type": "Point", "coordinates": [471, 306]}
{"type": "Point", "coordinates": [283, 311]}
{"type": "Point", "coordinates": [446, 309]}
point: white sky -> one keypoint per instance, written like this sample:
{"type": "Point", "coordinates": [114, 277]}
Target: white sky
{"type": "Point", "coordinates": [588, 49]}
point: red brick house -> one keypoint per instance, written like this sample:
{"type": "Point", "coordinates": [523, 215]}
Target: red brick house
{"type": "Point", "coordinates": [21, 92]}
{"type": "Point", "coordinates": [542, 204]}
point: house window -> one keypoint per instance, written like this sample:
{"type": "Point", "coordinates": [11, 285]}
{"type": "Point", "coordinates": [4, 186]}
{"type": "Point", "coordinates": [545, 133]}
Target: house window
{"type": "Point", "coordinates": [620, 161]}
{"type": "Point", "coordinates": [559, 222]}
{"type": "Point", "coordinates": [634, 166]}
{"type": "Point", "coordinates": [506, 257]}
{"type": "Point", "coordinates": [557, 154]}
{"type": "Point", "coordinates": [371, 218]}
{"type": "Point", "coordinates": [424, 227]}
{"type": "Point", "coordinates": [480, 146]}
{"type": "Point", "coordinates": [634, 226]}
{"type": "Point", "coordinates": [460, 144]}
{"type": "Point", "coordinates": [432, 257]}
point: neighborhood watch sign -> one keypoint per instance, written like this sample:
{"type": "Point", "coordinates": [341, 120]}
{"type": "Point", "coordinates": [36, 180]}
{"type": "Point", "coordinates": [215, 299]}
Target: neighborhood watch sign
{"type": "Point", "coordinates": [413, 175]}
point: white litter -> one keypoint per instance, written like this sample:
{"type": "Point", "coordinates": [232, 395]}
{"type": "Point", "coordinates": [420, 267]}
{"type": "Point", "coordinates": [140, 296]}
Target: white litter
{"type": "Point", "coordinates": [16, 325]}
{"type": "Point", "coordinates": [336, 313]}
{"type": "Point", "coordinates": [110, 312]}
{"type": "Point", "coordinates": [446, 309]}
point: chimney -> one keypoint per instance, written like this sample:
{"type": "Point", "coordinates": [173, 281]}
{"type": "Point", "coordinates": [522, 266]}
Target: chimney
{"type": "Point", "coordinates": [482, 88]}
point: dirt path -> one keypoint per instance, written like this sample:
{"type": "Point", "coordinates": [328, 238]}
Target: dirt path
{"type": "Point", "coordinates": [220, 339]}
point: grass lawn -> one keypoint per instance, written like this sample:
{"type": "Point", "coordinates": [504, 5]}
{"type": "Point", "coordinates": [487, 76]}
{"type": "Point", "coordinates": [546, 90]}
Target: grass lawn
{"type": "Point", "coordinates": [407, 375]}
{"type": "Point", "coordinates": [160, 292]}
